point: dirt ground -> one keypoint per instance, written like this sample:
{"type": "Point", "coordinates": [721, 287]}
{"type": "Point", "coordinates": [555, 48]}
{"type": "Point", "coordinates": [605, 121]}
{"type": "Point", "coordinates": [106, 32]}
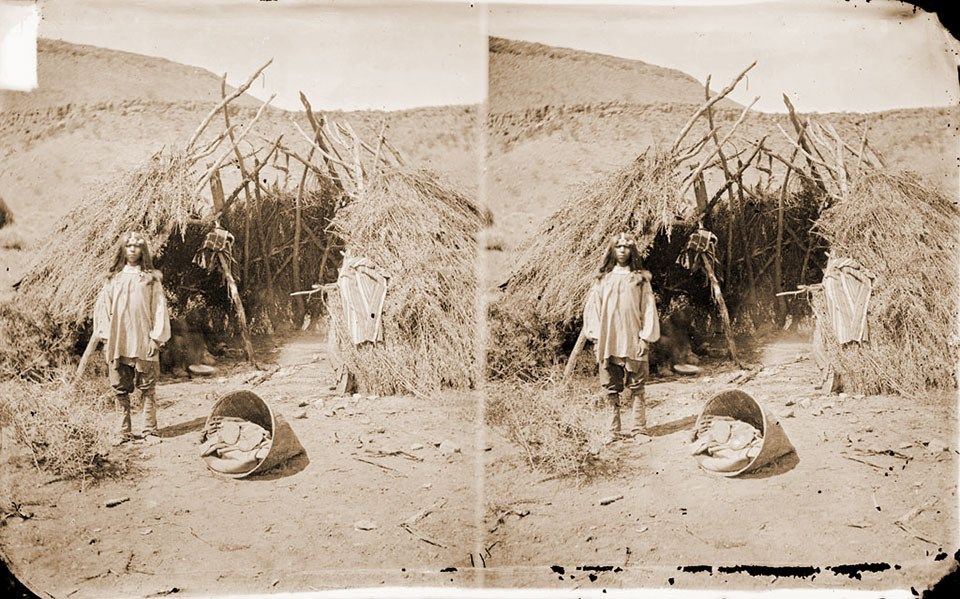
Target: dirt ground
{"type": "Point", "coordinates": [815, 509]}
{"type": "Point", "coordinates": [295, 528]}
{"type": "Point", "coordinates": [292, 529]}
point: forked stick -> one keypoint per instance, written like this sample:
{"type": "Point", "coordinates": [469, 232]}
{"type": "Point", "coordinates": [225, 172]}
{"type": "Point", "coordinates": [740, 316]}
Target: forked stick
{"type": "Point", "coordinates": [212, 147]}
{"type": "Point", "coordinates": [723, 93]}
{"type": "Point", "coordinates": [703, 163]}
{"type": "Point", "coordinates": [319, 149]}
{"type": "Point", "coordinates": [222, 105]}
{"type": "Point", "coordinates": [223, 156]}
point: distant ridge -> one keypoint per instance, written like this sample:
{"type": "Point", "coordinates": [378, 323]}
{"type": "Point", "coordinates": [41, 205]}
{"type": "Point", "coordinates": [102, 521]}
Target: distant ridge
{"type": "Point", "coordinates": [525, 75]}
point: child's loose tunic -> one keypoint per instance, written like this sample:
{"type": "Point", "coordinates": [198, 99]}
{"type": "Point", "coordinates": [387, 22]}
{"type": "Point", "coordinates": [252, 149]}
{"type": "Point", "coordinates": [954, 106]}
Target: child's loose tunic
{"type": "Point", "coordinates": [131, 310]}
{"type": "Point", "coordinates": [620, 316]}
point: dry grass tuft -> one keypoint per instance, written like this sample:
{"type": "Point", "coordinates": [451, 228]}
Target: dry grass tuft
{"type": "Point", "coordinates": [10, 239]}
{"type": "Point", "coordinates": [32, 343]}
{"type": "Point", "coordinates": [555, 424]}
{"type": "Point", "coordinates": [63, 425]}
{"type": "Point", "coordinates": [6, 215]}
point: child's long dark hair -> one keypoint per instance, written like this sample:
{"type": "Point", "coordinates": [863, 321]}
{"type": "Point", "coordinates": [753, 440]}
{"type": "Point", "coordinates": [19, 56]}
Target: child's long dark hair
{"type": "Point", "coordinates": [146, 261]}
{"type": "Point", "coordinates": [609, 259]}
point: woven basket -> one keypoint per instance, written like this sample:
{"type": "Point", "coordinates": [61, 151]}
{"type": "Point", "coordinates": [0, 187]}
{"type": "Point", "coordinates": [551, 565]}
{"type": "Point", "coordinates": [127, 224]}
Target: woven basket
{"type": "Point", "coordinates": [739, 405]}
{"type": "Point", "coordinates": [248, 406]}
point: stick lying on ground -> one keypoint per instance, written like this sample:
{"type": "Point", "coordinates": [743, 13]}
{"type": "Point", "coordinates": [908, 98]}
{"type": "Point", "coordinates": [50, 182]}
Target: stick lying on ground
{"type": "Point", "coordinates": [408, 524]}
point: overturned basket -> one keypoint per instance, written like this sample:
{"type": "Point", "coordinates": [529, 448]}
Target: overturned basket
{"type": "Point", "coordinates": [248, 406]}
{"type": "Point", "coordinates": [740, 406]}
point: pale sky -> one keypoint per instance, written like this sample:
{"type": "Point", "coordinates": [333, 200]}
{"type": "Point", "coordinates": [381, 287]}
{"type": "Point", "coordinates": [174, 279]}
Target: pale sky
{"type": "Point", "coordinates": [342, 54]}
{"type": "Point", "coordinates": [829, 55]}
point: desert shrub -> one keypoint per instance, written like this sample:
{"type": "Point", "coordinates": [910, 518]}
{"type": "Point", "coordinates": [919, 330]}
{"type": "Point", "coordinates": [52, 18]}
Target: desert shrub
{"type": "Point", "coordinates": [521, 346]}
{"type": "Point", "coordinates": [555, 424]}
{"type": "Point", "coordinates": [33, 344]}
{"type": "Point", "coordinates": [63, 425]}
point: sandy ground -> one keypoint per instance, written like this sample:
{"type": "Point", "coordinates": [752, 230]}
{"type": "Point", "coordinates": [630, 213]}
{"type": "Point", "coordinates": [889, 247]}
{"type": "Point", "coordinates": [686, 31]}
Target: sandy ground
{"type": "Point", "coordinates": [811, 509]}
{"type": "Point", "coordinates": [294, 528]}
{"type": "Point", "coordinates": [291, 529]}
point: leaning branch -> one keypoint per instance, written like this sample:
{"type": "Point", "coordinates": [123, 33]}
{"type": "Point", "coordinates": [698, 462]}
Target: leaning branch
{"type": "Point", "coordinates": [723, 93]}
{"type": "Point", "coordinates": [703, 163]}
{"type": "Point", "coordinates": [222, 105]}
{"type": "Point", "coordinates": [223, 156]}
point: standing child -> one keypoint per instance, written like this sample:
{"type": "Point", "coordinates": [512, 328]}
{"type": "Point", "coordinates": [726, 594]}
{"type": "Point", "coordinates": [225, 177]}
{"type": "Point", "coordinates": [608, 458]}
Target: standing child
{"type": "Point", "coordinates": [131, 318]}
{"type": "Point", "coordinates": [620, 317]}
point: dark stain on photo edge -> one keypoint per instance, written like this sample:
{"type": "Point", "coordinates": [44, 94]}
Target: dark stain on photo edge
{"type": "Point", "coordinates": [853, 571]}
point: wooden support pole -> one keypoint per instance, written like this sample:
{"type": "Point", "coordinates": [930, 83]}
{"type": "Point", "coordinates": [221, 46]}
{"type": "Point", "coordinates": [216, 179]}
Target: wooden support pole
{"type": "Point", "coordinates": [748, 240]}
{"type": "Point", "coordinates": [778, 257]}
{"type": "Point", "coordinates": [317, 125]}
{"type": "Point", "coordinates": [219, 161]}
{"type": "Point", "coordinates": [91, 347]}
{"type": "Point", "coordinates": [298, 301]}
{"type": "Point", "coordinates": [703, 163]}
{"type": "Point", "coordinates": [246, 189]}
{"type": "Point", "coordinates": [213, 216]}
{"type": "Point", "coordinates": [710, 102]}
{"type": "Point", "coordinates": [728, 185]}
{"type": "Point", "coordinates": [731, 179]}
{"type": "Point", "coordinates": [216, 192]}
{"type": "Point", "coordinates": [263, 244]}
{"type": "Point", "coordinates": [234, 294]}
{"type": "Point", "coordinates": [818, 180]}
{"type": "Point", "coordinates": [724, 315]}
{"type": "Point", "coordinates": [572, 360]}
{"type": "Point", "coordinates": [297, 225]}
{"type": "Point", "coordinates": [223, 103]}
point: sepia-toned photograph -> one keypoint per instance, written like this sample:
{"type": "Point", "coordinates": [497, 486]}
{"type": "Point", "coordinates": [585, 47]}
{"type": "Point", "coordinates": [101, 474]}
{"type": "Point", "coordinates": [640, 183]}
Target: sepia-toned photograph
{"type": "Point", "coordinates": [239, 307]}
{"type": "Point", "coordinates": [722, 290]}
{"type": "Point", "coordinates": [447, 297]}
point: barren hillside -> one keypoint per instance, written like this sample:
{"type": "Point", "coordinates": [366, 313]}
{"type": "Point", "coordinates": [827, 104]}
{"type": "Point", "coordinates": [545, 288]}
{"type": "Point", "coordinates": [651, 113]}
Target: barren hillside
{"type": "Point", "coordinates": [526, 75]}
{"type": "Point", "coordinates": [80, 74]}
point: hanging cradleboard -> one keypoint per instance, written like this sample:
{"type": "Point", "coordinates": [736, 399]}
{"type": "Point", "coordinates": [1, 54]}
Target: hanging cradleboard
{"type": "Point", "coordinates": [363, 291]}
{"type": "Point", "coordinates": [217, 250]}
{"type": "Point", "coordinates": [700, 254]}
{"type": "Point", "coordinates": [846, 287]}
{"type": "Point", "coordinates": [701, 246]}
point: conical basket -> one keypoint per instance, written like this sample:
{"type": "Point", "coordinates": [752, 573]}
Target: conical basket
{"type": "Point", "coordinates": [739, 405]}
{"type": "Point", "coordinates": [249, 406]}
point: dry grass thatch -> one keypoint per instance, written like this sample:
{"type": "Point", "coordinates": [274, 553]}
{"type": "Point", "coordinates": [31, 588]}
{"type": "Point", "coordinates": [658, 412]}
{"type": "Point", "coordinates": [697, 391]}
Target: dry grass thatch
{"type": "Point", "coordinates": [907, 235]}
{"type": "Point", "coordinates": [71, 268]}
{"type": "Point", "coordinates": [545, 292]}
{"type": "Point", "coordinates": [425, 235]}
{"type": "Point", "coordinates": [559, 262]}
